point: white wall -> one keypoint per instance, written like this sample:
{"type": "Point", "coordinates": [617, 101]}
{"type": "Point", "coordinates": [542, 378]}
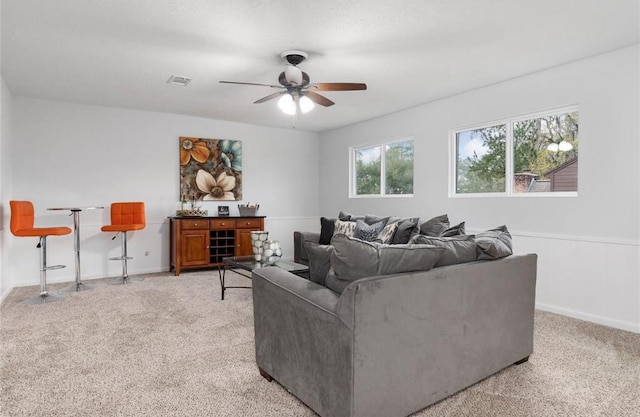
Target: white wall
{"type": "Point", "coordinates": [588, 245]}
{"type": "Point", "coordinates": [76, 155]}
{"type": "Point", "coordinates": [6, 104]}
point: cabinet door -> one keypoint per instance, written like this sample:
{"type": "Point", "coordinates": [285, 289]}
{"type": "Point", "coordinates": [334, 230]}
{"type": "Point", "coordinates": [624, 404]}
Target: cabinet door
{"type": "Point", "coordinates": [195, 247]}
{"type": "Point", "coordinates": [243, 242]}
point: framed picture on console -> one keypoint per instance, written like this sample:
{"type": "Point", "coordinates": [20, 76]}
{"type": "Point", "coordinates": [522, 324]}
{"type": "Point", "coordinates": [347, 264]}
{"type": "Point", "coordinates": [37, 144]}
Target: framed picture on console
{"type": "Point", "coordinates": [223, 211]}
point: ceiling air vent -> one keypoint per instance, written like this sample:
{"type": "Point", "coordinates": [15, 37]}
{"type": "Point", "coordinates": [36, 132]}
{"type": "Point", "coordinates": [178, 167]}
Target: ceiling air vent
{"type": "Point", "coordinates": [183, 81]}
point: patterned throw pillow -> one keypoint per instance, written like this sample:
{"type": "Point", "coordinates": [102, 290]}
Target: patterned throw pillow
{"type": "Point", "coordinates": [345, 228]}
{"type": "Point", "coordinates": [386, 236]}
{"type": "Point", "coordinates": [366, 232]}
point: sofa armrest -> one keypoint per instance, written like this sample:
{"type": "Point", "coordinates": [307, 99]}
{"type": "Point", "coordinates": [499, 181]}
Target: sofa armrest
{"type": "Point", "coordinates": [300, 341]}
{"type": "Point", "coordinates": [299, 253]}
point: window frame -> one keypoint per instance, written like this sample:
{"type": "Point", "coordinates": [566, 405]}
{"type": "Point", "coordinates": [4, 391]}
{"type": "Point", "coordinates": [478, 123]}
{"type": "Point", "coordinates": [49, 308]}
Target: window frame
{"type": "Point", "coordinates": [509, 150]}
{"type": "Point", "coordinates": [383, 177]}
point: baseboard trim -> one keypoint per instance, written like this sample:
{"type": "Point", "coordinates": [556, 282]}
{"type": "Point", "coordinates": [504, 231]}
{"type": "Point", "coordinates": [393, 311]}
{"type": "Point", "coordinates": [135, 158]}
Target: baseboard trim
{"type": "Point", "coordinates": [605, 321]}
{"type": "Point", "coordinates": [5, 294]}
{"type": "Point", "coordinates": [90, 278]}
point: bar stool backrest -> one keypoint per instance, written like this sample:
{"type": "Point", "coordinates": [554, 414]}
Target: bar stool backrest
{"type": "Point", "coordinates": [128, 213]}
{"type": "Point", "coordinates": [22, 217]}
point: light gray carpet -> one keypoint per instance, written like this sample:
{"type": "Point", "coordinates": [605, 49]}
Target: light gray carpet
{"type": "Point", "coordinates": [170, 347]}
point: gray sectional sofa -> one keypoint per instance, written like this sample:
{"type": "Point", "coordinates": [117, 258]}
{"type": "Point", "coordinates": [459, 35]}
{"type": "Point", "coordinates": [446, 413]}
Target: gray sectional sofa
{"type": "Point", "coordinates": [391, 344]}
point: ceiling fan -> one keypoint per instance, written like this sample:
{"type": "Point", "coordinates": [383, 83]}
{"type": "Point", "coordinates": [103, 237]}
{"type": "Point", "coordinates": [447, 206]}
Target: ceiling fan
{"type": "Point", "coordinates": [296, 89]}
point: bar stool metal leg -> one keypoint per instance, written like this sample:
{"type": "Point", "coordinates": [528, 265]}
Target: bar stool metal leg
{"type": "Point", "coordinates": [124, 258]}
{"type": "Point", "coordinates": [44, 296]}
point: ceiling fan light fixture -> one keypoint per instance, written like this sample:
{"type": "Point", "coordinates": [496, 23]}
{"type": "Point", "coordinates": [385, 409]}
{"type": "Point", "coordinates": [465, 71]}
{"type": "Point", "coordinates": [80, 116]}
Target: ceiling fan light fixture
{"type": "Point", "coordinates": [287, 105]}
{"type": "Point", "coordinates": [306, 105]}
{"type": "Point", "coordinates": [293, 74]}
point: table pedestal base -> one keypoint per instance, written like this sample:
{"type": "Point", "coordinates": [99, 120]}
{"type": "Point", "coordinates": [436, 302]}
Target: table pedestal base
{"type": "Point", "coordinates": [126, 280]}
{"type": "Point", "coordinates": [77, 287]}
{"type": "Point", "coordinates": [43, 299]}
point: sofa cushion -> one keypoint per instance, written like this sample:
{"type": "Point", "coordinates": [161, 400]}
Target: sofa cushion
{"type": "Point", "coordinates": [458, 249]}
{"type": "Point", "coordinates": [327, 227]}
{"type": "Point", "coordinates": [387, 234]}
{"type": "Point", "coordinates": [367, 232]}
{"type": "Point", "coordinates": [344, 216]}
{"type": "Point", "coordinates": [406, 228]}
{"type": "Point", "coordinates": [494, 243]}
{"type": "Point", "coordinates": [334, 283]}
{"type": "Point", "coordinates": [372, 218]}
{"type": "Point", "coordinates": [319, 261]}
{"type": "Point", "coordinates": [344, 227]}
{"type": "Point", "coordinates": [435, 226]}
{"type": "Point", "coordinates": [353, 258]}
{"type": "Point", "coordinates": [458, 229]}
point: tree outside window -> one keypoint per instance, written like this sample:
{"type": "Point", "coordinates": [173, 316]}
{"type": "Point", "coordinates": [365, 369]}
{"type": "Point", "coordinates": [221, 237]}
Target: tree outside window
{"type": "Point", "coordinates": [383, 170]}
{"type": "Point", "coordinates": [543, 151]}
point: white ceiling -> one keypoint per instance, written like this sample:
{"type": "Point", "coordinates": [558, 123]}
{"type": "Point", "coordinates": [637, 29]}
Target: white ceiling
{"type": "Point", "coordinates": [122, 52]}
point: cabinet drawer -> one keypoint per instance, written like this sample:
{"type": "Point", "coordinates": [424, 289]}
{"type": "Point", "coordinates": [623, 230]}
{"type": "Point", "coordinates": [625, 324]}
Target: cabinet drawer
{"type": "Point", "coordinates": [248, 223]}
{"type": "Point", "coordinates": [195, 224]}
{"type": "Point", "coordinates": [222, 224]}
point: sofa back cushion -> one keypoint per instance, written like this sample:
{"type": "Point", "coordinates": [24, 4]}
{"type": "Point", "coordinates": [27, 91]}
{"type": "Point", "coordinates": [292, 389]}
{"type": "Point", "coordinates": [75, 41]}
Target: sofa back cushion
{"type": "Point", "coordinates": [353, 258]}
{"type": "Point", "coordinates": [458, 249]}
{"type": "Point", "coordinates": [435, 226]}
{"type": "Point", "coordinates": [494, 243]}
{"type": "Point", "coordinates": [319, 261]}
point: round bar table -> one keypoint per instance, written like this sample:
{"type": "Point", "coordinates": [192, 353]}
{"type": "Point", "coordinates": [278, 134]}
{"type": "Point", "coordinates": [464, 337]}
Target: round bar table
{"type": "Point", "coordinates": [78, 286]}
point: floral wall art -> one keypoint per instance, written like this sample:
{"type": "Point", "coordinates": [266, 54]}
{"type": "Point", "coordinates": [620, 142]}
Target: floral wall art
{"type": "Point", "coordinates": [210, 169]}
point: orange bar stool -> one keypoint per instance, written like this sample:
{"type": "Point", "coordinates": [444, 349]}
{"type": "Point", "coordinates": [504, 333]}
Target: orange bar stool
{"type": "Point", "coordinates": [125, 217]}
{"type": "Point", "coordinates": [22, 219]}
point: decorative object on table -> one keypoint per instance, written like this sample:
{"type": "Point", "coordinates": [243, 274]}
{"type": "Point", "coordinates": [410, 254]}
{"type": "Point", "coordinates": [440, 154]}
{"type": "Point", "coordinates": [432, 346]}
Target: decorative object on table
{"type": "Point", "coordinates": [271, 252]}
{"type": "Point", "coordinates": [223, 211]}
{"type": "Point", "coordinates": [257, 240]}
{"type": "Point", "coordinates": [192, 213]}
{"type": "Point", "coordinates": [249, 209]}
{"type": "Point", "coordinates": [210, 169]}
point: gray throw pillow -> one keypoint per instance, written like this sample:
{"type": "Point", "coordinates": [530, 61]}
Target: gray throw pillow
{"type": "Point", "coordinates": [319, 261]}
{"type": "Point", "coordinates": [456, 230]}
{"type": "Point", "coordinates": [405, 230]}
{"type": "Point", "coordinates": [435, 226]}
{"type": "Point", "coordinates": [494, 243]}
{"type": "Point", "coordinates": [353, 259]}
{"type": "Point", "coordinates": [344, 216]}
{"type": "Point", "coordinates": [458, 249]}
{"type": "Point", "coordinates": [367, 232]}
{"type": "Point", "coordinates": [372, 218]}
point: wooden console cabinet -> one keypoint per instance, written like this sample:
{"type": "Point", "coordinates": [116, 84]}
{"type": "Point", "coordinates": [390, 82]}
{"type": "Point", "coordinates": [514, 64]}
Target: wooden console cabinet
{"type": "Point", "coordinates": [202, 242]}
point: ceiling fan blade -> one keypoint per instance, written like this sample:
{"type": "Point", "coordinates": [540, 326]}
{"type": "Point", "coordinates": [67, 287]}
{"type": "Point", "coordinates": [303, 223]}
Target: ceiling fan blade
{"type": "Point", "coordinates": [269, 97]}
{"type": "Point", "coordinates": [318, 99]}
{"type": "Point", "coordinates": [261, 85]}
{"type": "Point", "coordinates": [338, 86]}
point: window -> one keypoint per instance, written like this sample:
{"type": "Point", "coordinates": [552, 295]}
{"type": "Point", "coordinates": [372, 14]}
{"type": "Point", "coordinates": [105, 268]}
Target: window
{"type": "Point", "coordinates": [520, 156]}
{"type": "Point", "coordinates": [384, 169]}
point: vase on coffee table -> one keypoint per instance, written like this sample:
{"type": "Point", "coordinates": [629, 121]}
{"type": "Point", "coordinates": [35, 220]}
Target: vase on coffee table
{"type": "Point", "coordinates": [271, 252]}
{"type": "Point", "coordinates": [257, 240]}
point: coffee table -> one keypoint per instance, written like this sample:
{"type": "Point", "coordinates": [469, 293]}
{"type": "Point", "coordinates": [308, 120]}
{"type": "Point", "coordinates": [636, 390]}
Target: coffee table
{"type": "Point", "coordinates": [241, 264]}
